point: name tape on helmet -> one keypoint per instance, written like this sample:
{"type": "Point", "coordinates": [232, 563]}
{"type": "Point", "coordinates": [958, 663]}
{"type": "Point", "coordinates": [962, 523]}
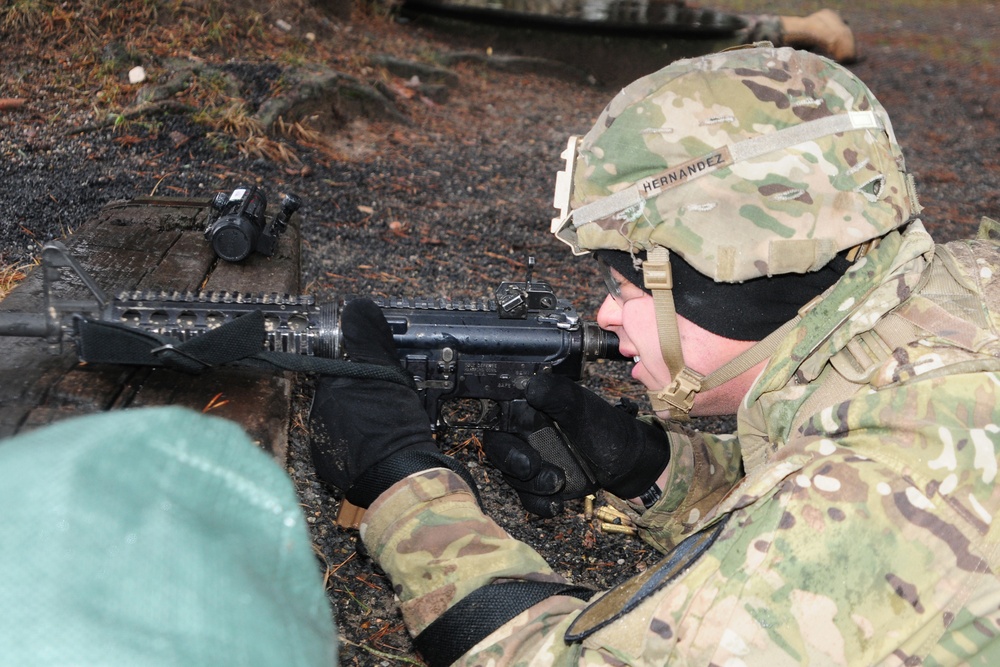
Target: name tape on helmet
{"type": "Point", "coordinates": [652, 186]}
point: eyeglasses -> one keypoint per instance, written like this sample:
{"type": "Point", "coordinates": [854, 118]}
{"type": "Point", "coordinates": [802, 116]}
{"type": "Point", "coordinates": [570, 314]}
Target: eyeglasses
{"type": "Point", "coordinates": [612, 283]}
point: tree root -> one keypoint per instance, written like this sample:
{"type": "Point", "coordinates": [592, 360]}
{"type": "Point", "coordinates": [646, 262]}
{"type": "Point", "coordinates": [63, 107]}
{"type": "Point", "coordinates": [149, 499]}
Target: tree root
{"type": "Point", "coordinates": [148, 109]}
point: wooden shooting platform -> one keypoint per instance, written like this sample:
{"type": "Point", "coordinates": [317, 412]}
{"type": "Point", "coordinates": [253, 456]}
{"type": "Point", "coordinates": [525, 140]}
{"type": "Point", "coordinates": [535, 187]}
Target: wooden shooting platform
{"type": "Point", "coordinates": [149, 243]}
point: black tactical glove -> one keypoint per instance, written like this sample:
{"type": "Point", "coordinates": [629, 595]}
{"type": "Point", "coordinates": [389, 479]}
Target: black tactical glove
{"type": "Point", "coordinates": [537, 463]}
{"type": "Point", "coordinates": [615, 450]}
{"type": "Point", "coordinates": [368, 434]}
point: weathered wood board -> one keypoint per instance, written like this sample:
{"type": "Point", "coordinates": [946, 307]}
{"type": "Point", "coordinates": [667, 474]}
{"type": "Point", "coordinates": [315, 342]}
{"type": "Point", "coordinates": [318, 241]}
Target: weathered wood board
{"type": "Point", "coordinates": [149, 244]}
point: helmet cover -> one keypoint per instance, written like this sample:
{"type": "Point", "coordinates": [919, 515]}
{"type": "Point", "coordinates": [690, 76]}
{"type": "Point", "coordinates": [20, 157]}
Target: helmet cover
{"type": "Point", "coordinates": [750, 162]}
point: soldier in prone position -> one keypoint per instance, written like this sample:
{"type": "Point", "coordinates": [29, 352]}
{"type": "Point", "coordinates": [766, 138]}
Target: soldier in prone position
{"type": "Point", "coordinates": [789, 281]}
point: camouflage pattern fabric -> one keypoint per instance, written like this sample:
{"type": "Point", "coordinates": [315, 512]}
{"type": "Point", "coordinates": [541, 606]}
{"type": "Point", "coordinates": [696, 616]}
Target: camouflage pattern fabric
{"type": "Point", "coordinates": [861, 533]}
{"type": "Point", "coordinates": [739, 164]}
{"type": "Point", "coordinates": [155, 537]}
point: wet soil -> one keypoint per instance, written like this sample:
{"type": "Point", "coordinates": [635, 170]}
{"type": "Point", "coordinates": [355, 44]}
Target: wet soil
{"type": "Point", "coordinates": [451, 200]}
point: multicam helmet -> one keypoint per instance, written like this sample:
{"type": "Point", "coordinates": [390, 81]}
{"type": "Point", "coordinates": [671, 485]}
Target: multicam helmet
{"type": "Point", "coordinates": [747, 163]}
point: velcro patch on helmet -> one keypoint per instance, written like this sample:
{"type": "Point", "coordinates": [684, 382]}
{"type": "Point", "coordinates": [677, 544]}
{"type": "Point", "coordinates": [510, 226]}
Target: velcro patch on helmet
{"type": "Point", "coordinates": [799, 255]}
{"type": "Point", "coordinates": [792, 147]}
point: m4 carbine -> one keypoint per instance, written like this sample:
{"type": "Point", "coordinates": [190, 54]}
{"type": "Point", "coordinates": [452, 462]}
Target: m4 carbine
{"type": "Point", "coordinates": [485, 350]}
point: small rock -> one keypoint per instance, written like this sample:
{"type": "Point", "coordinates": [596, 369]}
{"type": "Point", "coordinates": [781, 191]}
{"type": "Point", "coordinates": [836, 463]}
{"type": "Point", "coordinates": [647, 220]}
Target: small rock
{"type": "Point", "coordinates": [283, 25]}
{"type": "Point", "coordinates": [179, 138]}
{"type": "Point", "coordinates": [137, 74]}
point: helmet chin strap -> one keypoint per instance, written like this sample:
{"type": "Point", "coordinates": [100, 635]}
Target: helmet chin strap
{"type": "Point", "coordinates": [677, 398]}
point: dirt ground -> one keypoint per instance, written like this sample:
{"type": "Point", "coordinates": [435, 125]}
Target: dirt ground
{"type": "Point", "coordinates": [445, 192]}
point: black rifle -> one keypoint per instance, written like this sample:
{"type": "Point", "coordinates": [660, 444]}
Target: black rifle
{"type": "Point", "coordinates": [484, 350]}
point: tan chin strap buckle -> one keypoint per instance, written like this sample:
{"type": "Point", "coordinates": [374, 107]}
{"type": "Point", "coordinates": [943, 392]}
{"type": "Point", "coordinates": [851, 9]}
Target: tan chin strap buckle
{"type": "Point", "coordinates": [678, 397]}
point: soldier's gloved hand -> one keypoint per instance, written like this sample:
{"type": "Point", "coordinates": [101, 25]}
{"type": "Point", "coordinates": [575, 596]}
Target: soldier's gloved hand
{"type": "Point", "coordinates": [624, 455]}
{"type": "Point", "coordinates": [368, 433]}
{"type": "Point", "coordinates": [537, 462]}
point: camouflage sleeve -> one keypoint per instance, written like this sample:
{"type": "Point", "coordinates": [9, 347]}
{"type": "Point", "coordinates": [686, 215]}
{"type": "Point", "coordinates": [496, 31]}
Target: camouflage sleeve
{"type": "Point", "coordinates": [429, 535]}
{"type": "Point", "coordinates": [867, 538]}
{"type": "Point", "coordinates": [703, 468]}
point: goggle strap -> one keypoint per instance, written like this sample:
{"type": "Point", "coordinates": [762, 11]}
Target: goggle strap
{"type": "Point", "coordinates": [609, 206]}
{"type": "Point", "coordinates": [726, 156]}
{"type": "Point", "coordinates": [804, 132]}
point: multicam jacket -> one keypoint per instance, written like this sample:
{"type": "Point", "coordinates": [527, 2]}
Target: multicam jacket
{"type": "Point", "coordinates": [861, 532]}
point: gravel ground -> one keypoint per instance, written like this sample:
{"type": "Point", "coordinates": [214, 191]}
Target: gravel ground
{"type": "Point", "coordinates": [452, 201]}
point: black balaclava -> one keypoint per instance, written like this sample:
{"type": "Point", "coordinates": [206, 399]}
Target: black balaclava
{"type": "Point", "coordinates": [746, 311]}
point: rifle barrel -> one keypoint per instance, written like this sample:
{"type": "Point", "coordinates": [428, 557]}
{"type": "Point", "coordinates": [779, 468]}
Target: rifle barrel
{"type": "Point", "coordinates": [23, 324]}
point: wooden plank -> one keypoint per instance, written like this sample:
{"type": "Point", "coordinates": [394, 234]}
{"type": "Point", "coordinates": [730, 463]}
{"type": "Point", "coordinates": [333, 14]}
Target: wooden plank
{"type": "Point", "coordinates": [149, 244]}
{"type": "Point", "coordinates": [27, 371]}
{"type": "Point", "coordinates": [255, 400]}
{"type": "Point", "coordinates": [90, 388]}
{"type": "Point", "coordinates": [186, 267]}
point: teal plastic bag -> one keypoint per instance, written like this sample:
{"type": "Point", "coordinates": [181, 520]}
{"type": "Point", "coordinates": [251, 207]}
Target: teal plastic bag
{"type": "Point", "coordinates": [155, 536]}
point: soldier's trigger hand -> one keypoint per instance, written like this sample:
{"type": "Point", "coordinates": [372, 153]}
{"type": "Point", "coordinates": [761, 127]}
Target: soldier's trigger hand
{"type": "Point", "coordinates": [538, 483]}
{"type": "Point", "coordinates": [625, 454]}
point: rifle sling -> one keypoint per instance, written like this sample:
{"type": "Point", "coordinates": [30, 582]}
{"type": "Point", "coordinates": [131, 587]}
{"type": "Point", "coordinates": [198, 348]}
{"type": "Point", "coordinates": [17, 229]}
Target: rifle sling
{"type": "Point", "coordinates": [237, 342]}
{"type": "Point", "coordinates": [478, 614]}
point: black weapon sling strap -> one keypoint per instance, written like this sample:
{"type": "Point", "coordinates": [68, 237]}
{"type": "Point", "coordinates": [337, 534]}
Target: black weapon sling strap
{"type": "Point", "coordinates": [238, 341]}
{"type": "Point", "coordinates": [481, 612]}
